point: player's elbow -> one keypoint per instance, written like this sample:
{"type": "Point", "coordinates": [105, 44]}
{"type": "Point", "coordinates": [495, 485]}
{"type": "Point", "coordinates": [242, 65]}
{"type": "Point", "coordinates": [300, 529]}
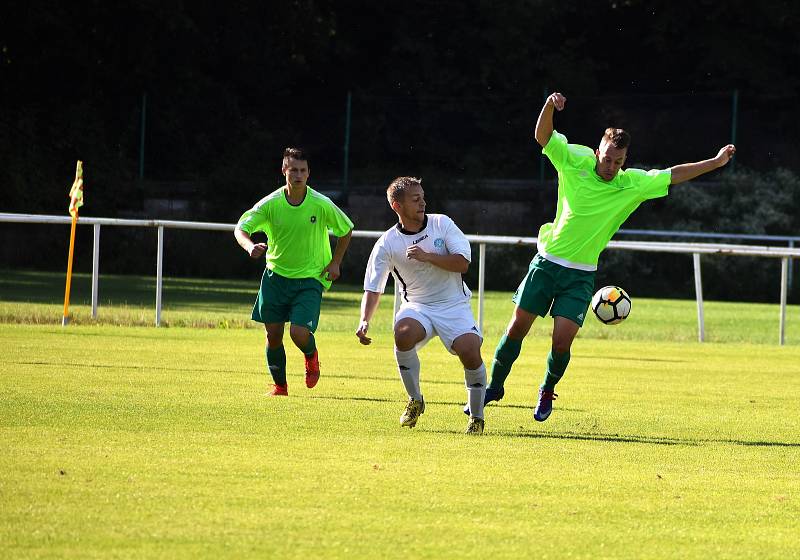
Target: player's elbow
{"type": "Point", "coordinates": [463, 266]}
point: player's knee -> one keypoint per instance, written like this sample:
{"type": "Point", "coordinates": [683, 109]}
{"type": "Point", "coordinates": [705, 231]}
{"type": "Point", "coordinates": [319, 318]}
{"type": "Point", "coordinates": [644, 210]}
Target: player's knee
{"type": "Point", "coordinates": [561, 345]}
{"type": "Point", "coordinates": [300, 335]}
{"type": "Point", "coordinates": [518, 330]}
{"type": "Point", "coordinates": [407, 335]}
{"type": "Point", "coordinates": [475, 377]}
{"type": "Point", "coordinates": [471, 358]}
{"type": "Point", "coordinates": [404, 341]}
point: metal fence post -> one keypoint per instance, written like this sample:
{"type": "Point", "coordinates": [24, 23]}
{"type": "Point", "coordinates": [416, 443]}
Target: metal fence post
{"type": "Point", "coordinates": [95, 268]}
{"type": "Point", "coordinates": [159, 271]}
{"type": "Point", "coordinates": [698, 288]}
{"type": "Point", "coordinates": [784, 292]}
{"type": "Point", "coordinates": [481, 282]}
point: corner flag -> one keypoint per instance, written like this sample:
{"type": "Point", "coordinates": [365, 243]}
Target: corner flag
{"type": "Point", "coordinates": [75, 202]}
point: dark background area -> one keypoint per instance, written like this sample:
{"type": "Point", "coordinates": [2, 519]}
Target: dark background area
{"type": "Point", "coordinates": [446, 90]}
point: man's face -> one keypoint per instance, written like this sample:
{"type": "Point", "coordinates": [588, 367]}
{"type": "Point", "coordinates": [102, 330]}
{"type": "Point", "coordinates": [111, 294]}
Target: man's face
{"type": "Point", "coordinates": [411, 207]}
{"type": "Point", "coordinates": [295, 171]}
{"type": "Point", "coordinates": [609, 160]}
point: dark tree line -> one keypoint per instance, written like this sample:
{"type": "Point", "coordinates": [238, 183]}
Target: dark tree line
{"type": "Point", "coordinates": [230, 83]}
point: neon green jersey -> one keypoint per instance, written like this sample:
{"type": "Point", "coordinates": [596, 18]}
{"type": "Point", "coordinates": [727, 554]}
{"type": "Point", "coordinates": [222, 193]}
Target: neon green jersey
{"type": "Point", "coordinates": [298, 243]}
{"type": "Point", "coordinates": [590, 210]}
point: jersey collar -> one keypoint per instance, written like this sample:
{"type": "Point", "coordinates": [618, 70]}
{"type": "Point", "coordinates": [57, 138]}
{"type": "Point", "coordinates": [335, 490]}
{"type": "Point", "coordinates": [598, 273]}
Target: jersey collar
{"type": "Point", "coordinates": [400, 228]}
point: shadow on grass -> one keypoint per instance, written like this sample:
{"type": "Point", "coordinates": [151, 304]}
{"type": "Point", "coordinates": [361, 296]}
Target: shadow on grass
{"type": "Point", "coordinates": [622, 359]}
{"type": "Point", "coordinates": [653, 440]}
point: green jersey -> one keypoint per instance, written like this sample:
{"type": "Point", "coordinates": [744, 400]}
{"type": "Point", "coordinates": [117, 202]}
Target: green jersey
{"type": "Point", "coordinates": [298, 243]}
{"type": "Point", "coordinates": [590, 210]}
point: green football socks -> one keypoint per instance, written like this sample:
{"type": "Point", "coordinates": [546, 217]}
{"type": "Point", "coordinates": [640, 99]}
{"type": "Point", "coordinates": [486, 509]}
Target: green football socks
{"type": "Point", "coordinates": [276, 363]}
{"type": "Point", "coordinates": [507, 352]}
{"type": "Point", "coordinates": [311, 347]}
{"type": "Point", "coordinates": [556, 366]}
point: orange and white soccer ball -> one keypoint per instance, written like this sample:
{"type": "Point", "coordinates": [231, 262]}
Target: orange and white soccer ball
{"type": "Point", "coordinates": [611, 305]}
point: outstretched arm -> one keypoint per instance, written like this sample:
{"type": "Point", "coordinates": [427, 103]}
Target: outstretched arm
{"type": "Point", "coordinates": [688, 171]}
{"type": "Point", "coordinates": [544, 126]}
{"type": "Point", "coordinates": [369, 303]}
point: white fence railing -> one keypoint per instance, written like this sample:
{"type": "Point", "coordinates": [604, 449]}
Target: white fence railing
{"type": "Point", "coordinates": [695, 249]}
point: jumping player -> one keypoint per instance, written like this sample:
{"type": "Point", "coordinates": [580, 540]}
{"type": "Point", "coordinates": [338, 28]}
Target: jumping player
{"type": "Point", "coordinates": [427, 254]}
{"type": "Point", "coordinates": [296, 219]}
{"type": "Point", "coordinates": [595, 196]}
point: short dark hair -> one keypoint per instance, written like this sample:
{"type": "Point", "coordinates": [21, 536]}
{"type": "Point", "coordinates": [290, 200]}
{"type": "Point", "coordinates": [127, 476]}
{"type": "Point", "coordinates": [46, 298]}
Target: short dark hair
{"type": "Point", "coordinates": [397, 188]}
{"type": "Point", "coordinates": [617, 137]}
{"type": "Point", "coordinates": [294, 153]}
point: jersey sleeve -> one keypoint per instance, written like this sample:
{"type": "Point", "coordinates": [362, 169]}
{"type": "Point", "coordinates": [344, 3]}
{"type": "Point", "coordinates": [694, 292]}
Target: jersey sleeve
{"type": "Point", "coordinates": [455, 241]}
{"type": "Point", "coordinates": [378, 268]}
{"type": "Point", "coordinates": [650, 184]}
{"type": "Point", "coordinates": [255, 219]}
{"type": "Point", "coordinates": [563, 154]}
{"type": "Point", "coordinates": [336, 220]}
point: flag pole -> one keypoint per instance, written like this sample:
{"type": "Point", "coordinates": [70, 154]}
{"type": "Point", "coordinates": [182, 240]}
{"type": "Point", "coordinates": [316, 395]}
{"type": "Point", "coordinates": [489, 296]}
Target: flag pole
{"type": "Point", "coordinates": [65, 318]}
{"type": "Point", "coordinates": [75, 202]}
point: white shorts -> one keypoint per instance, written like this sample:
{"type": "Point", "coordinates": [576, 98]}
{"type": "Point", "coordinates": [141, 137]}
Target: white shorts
{"type": "Point", "coordinates": [448, 322]}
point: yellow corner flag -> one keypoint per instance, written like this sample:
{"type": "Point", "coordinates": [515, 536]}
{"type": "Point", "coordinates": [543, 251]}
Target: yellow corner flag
{"type": "Point", "coordinates": [75, 202]}
{"type": "Point", "coordinates": [76, 192]}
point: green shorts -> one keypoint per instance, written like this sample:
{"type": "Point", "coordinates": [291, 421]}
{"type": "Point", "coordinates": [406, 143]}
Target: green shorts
{"type": "Point", "coordinates": [565, 292]}
{"type": "Point", "coordinates": [282, 299]}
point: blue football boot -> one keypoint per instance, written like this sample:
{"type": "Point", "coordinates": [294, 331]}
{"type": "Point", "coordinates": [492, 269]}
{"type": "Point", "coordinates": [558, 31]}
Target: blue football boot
{"type": "Point", "coordinates": [544, 406]}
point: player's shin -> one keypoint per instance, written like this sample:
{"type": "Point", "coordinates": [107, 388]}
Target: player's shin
{"type": "Point", "coordinates": [276, 363]}
{"type": "Point", "coordinates": [475, 380]}
{"type": "Point", "coordinates": [556, 366]}
{"type": "Point", "coordinates": [504, 357]}
{"type": "Point", "coordinates": [408, 367]}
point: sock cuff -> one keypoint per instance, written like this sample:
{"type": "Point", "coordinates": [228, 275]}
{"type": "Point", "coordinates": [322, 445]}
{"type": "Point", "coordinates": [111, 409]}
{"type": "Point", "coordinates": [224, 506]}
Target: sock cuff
{"type": "Point", "coordinates": [405, 354]}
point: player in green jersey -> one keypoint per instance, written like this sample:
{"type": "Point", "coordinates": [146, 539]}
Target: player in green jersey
{"type": "Point", "coordinates": [595, 196]}
{"type": "Point", "coordinates": [297, 220]}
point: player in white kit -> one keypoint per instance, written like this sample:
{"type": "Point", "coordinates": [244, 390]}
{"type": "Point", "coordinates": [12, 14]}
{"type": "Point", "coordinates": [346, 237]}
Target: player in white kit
{"type": "Point", "coordinates": [427, 254]}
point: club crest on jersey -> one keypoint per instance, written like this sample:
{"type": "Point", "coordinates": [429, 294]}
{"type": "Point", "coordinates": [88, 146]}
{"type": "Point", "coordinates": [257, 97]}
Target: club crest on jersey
{"type": "Point", "coordinates": [313, 219]}
{"type": "Point", "coordinates": [438, 243]}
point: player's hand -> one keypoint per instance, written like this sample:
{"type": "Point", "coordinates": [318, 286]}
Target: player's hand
{"type": "Point", "coordinates": [557, 100]}
{"type": "Point", "coordinates": [416, 253]}
{"type": "Point", "coordinates": [257, 250]}
{"type": "Point", "coordinates": [725, 154]}
{"type": "Point", "coordinates": [361, 333]}
{"type": "Point", "coordinates": [331, 272]}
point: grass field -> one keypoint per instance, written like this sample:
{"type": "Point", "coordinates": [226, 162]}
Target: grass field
{"type": "Point", "coordinates": [124, 440]}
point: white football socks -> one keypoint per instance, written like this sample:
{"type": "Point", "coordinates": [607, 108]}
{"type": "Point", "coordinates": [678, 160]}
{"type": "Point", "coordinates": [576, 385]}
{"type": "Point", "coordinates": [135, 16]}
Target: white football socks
{"type": "Point", "coordinates": [475, 380]}
{"type": "Point", "coordinates": [408, 366]}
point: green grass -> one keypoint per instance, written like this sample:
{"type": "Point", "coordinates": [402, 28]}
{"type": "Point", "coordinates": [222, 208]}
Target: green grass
{"type": "Point", "coordinates": [131, 441]}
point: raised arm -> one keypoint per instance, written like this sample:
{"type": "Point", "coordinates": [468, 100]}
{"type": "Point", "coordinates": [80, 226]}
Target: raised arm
{"type": "Point", "coordinates": [369, 303]}
{"type": "Point", "coordinates": [544, 126]}
{"type": "Point", "coordinates": [688, 171]}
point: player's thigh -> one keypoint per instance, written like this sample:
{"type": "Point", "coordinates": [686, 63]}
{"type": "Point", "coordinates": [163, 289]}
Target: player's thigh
{"type": "Point", "coordinates": [536, 291]}
{"type": "Point", "coordinates": [412, 328]}
{"type": "Point", "coordinates": [573, 295]}
{"type": "Point", "coordinates": [452, 321]}
{"type": "Point", "coordinates": [306, 303]}
{"type": "Point", "coordinates": [273, 302]}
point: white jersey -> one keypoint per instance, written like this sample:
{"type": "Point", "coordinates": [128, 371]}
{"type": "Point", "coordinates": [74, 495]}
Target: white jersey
{"type": "Point", "coordinates": [420, 282]}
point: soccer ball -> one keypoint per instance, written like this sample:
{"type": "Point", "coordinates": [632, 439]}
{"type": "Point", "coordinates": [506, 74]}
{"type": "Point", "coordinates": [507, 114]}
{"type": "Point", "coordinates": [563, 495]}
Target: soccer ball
{"type": "Point", "coordinates": [611, 305]}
